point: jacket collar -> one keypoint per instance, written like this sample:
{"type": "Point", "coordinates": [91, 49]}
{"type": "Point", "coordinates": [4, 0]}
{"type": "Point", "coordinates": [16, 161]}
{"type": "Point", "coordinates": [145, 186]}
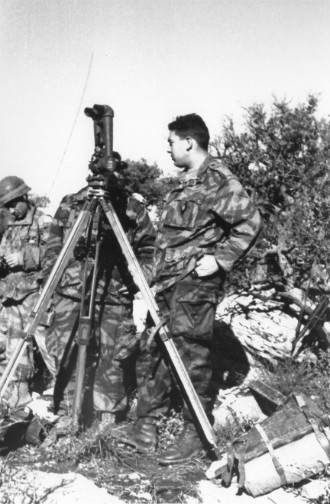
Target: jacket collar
{"type": "Point", "coordinates": [189, 180]}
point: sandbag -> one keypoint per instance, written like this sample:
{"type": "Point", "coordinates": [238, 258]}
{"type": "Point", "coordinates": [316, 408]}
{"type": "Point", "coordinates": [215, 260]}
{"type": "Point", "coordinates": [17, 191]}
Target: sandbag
{"type": "Point", "coordinates": [12, 430]}
{"type": "Point", "coordinates": [20, 427]}
{"type": "Point", "coordinates": [290, 445]}
{"type": "Point", "coordinates": [299, 460]}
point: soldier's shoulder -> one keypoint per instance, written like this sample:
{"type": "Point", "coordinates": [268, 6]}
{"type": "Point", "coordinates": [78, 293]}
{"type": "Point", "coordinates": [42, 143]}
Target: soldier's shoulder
{"type": "Point", "coordinates": [71, 199]}
{"type": "Point", "coordinates": [217, 166]}
{"type": "Point", "coordinates": [70, 202]}
{"type": "Point", "coordinates": [43, 218]}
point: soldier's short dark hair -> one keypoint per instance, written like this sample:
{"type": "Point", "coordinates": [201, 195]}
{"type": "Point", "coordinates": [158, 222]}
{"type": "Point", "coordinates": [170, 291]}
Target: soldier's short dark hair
{"type": "Point", "coordinates": [191, 125]}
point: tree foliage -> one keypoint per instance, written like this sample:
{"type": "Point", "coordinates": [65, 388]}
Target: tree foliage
{"type": "Point", "coordinates": [282, 158]}
{"type": "Point", "coordinates": [40, 201]}
{"type": "Point", "coordinates": [140, 177]}
{"type": "Point", "coordinates": [147, 180]}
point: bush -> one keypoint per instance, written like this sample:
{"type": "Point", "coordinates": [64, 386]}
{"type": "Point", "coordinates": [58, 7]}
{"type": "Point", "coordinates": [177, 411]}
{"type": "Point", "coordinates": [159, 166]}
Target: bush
{"type": "Point", "coordinates": [283, 160]}
{"type": "Point", "coordinates": [307, 377]}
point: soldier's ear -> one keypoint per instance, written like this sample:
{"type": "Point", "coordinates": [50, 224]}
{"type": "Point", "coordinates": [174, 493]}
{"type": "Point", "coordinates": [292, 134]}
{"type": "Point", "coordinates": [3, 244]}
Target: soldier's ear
{"type": "Point", "coordinates": [189, 141]}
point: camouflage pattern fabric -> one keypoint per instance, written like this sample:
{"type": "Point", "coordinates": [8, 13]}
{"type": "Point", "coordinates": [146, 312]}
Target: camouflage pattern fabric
{"type": "Point", "coordinates": [208, 214]}
{"type": "Point", "coordinates": [61, 338]}
{"type": "Point", "coordinates": [156, 384]}
{"type": "Point", "coordinates": [27, 236]}
{"type": "Point", "coordinates": [13, 318]}
{"type": "Point", "coordinates": [114, 337]}
{"type": "Point", "coordinates": [5, 218]}
{"type": "Point", "coordinates": [115, 344]}
{"type": "Point", "coordinates": [19, 287]}
{"type": "Point", "coordinates": [110, 369]}
{"type": "Point", "coordinates": [114, 283]}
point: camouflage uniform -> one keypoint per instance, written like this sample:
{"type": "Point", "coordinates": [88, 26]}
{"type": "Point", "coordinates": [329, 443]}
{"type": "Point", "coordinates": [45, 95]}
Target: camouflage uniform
{"type": "Point", "coordinates": [5, 217]}
{"type": "Point", "coordinates": [20, 286]}
{"type": "Point", "coordinates": [114, 337]}
{"type": "Point", "coordinates": [208, 214]}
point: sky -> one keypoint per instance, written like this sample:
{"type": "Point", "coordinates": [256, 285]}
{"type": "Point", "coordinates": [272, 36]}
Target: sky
{"type": "Point", "coordinates": [149, 60]}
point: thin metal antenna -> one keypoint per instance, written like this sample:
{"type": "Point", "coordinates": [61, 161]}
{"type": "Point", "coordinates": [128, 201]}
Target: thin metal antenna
{"type": "Point", "coordinates": [73, 126]}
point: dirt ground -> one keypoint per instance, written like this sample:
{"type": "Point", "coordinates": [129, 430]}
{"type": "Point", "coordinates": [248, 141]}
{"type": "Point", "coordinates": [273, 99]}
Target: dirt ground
{"type": "Point", "coordinates": [120, 470]}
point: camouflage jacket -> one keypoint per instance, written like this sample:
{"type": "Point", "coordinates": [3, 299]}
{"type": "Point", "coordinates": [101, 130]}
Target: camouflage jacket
{"type": "Point", "coordinates": [114, 282]}
{"type": "Point", "coordinates": [28, 236]}
{"type": "Point", "coordinates": [5, 218]}
{"type": "Point", "coordinates": [208, 214]}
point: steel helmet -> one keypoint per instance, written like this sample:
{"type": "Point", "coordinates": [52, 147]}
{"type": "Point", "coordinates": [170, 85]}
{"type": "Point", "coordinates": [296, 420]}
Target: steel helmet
{"type": "Point", "coordinates": [11, 188]}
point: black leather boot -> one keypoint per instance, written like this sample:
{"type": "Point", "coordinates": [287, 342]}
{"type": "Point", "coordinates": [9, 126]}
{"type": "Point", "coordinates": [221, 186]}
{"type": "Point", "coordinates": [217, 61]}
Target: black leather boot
{"type": "Point", "coordinates": [187, 445]}
{"type": "Point", "coordinates": [141, 434]}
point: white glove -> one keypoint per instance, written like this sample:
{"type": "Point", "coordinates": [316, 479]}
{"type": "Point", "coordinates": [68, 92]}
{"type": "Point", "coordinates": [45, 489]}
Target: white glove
{"type": "Point", "coordinates": [14, 259]}
{"type": "Point", "coordinates": [139, 197]}
{"type": "Point", "coordinates": [140, 311]}
{"type": "Point", "coordinates": [206, 265]}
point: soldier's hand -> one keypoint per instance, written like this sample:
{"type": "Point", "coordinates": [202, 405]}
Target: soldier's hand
{"type": "Point", "coordinates": [14, 259]}
{"type": "Point", "coordinates": [206, 266]}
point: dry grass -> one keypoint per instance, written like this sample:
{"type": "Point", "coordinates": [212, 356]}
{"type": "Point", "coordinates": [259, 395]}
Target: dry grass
{"type": "Point", "coordinates": [111, 465]}
{"type": "Point", "coordinates": [136, 478]}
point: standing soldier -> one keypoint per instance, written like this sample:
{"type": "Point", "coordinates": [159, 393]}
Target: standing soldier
{"type": "Point", "coordinates": [208, 220]}
{"type": "Point", "coordinates": [114, 338]}
{"type": "Point", "coordinates": [22, 251]}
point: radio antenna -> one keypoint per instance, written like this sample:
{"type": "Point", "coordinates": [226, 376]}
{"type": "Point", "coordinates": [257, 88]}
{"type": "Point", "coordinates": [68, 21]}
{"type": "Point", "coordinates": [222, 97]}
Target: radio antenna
{"type": "Point", "coordinates": [73, 126]}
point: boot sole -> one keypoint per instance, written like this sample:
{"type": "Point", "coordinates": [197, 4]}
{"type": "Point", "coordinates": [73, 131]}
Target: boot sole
{"type": "Point", "coordinates": [182, 460]}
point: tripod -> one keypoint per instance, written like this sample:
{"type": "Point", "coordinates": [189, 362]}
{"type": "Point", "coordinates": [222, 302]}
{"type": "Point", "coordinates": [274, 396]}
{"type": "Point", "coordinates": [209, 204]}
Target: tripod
{"type": "Point", "coordinates": [100, 204]}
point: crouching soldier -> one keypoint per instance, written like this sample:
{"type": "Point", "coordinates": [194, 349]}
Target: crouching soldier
{"type": "Point", "coordinates": [22, 251]}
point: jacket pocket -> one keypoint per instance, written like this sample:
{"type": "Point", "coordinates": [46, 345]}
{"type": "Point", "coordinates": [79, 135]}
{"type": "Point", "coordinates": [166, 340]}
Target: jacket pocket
{"type": "Point", "coordinates": [193, 312]}
{"type": "Point", "coordinates": [182, 214]}
{"type": "Point", "coordinates": [175, 260]}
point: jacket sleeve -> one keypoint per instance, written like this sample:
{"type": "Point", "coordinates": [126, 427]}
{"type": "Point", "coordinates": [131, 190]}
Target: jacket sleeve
{"type": "Point", "coordinates": [144, 241]}
{"type": "Point", "coordinates": [54, 243]}
{"type": "Point", "coordinates": [240, 219]}
{"type": "Point", "coordinates": [33, 253]}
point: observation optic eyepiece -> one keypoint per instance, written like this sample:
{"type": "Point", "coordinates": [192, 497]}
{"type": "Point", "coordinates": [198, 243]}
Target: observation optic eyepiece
{"type": "Point", "coordinates": [102, 158]}
{"type": "Point", "coordinates": [99, 111]}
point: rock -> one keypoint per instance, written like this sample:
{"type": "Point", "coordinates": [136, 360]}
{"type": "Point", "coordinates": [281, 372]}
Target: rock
{"type": "Point", "coordinates": [51, 488]}
{"type": "Point", "coordinates": [41, 408]}
{"type": "Point", "coordinates": [210, 493]}
{"type": "Point", "coordinates": [263, 328]}
{"type": "Point", "coordinates": [316, 489]}
{"type": "Point", "coordinates": [233, 410]}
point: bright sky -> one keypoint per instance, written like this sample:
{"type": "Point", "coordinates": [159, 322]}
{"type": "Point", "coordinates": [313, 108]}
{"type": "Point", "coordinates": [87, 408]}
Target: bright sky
{"type": "Point", "coordinates": [150, 60]}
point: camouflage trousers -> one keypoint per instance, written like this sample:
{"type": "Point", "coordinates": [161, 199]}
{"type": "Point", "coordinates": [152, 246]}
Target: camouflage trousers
{"type": "Point", "coordinates": [110, 366]}
{"type": "Point", "coordinates": [13, 319]}
{"type": "Point", "coordinates": [189, 310]}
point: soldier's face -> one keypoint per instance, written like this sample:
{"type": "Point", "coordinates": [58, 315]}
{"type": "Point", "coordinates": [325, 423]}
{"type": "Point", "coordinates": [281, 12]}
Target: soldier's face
{"type": "Point", "coordinates": [178, 149]}
{"type": "Point", "coordinates": [18, 208]}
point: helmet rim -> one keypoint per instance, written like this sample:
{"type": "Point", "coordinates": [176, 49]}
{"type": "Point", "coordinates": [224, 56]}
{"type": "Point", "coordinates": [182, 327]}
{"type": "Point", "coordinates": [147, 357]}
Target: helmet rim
{"type": "Point", "coordinates": [12, 187]}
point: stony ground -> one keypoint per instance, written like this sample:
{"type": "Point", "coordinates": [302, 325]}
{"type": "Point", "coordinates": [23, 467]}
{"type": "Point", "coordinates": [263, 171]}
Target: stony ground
{"type": "Point", "coordinates": [120, 470]}
{"type": "Point", "coordinates": [126, 477]}
{"type": "Point", "coordinates": [94, 466]}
